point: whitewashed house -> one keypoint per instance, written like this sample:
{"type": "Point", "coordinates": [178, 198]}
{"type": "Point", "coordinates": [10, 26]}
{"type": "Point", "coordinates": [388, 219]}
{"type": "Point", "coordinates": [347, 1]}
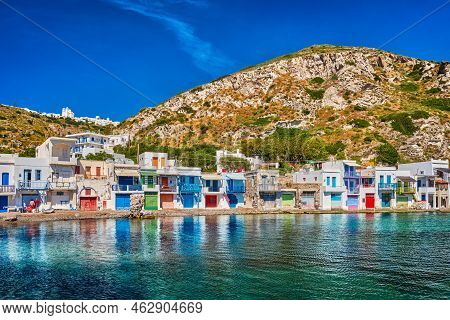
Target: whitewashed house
{"type": "Point", "coordinates": [62, 187]}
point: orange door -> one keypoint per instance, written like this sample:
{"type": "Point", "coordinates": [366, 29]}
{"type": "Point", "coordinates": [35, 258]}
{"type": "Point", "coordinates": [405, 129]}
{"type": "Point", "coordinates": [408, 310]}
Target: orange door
{"type": "Point", "coordinates": [97, 171]}
{"type": "Point", "coordinates": [166, 201]}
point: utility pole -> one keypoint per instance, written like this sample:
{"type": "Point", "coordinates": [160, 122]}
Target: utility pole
{"type": "Point", "coordinates": [137, 154]}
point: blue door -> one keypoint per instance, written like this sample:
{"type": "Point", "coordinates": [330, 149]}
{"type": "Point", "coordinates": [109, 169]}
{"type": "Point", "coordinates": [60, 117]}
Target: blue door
{"type": "Point", "coordinates": [188, 200]}
{"type": "Point", "coordinates": [3, 203]}
{"type": "Point", "coordinates": [122, 201]}
{"type": "Point", "coordinates": [233, 200]}
{"type": "Point", "coordinates": [333, 182]}
{"type": "Point", "coordinates": [385, 200]}
{"type": "Point", "coordinates": [5, 179]}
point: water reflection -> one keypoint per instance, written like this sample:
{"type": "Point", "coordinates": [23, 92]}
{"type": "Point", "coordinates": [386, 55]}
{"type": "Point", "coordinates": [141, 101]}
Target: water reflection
{"type": "Point", "coordinates": [269, 256]}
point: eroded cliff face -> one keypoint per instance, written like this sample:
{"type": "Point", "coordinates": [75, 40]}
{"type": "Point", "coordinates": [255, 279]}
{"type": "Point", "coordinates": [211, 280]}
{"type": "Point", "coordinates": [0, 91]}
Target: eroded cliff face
{"type": "Point", "coordinates": [322, 89]}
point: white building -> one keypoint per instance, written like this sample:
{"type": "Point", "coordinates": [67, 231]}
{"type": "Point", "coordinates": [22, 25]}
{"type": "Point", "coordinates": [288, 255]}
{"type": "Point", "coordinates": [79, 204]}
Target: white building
{"type": "Point", "coordinates": [385, 183]}
{"type": "Point", "coordinates": [67, 113]}
{"type": "Point", "coordinates": [62, 191]}
{"type": "Point", "coordinates": [427, 174]}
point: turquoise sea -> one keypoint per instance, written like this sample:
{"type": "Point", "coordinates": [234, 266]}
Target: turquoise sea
{"type": "Point", "coordinates": [326, 256]}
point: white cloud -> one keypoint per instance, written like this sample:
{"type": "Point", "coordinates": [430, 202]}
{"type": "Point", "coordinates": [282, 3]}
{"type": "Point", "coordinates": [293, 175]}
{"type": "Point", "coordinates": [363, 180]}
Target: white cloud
{"type": "Point", "coordinates": [203, 53]}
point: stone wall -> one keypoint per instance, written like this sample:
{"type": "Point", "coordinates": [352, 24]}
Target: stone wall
{"type": "Point", "coordinates": [136, 204]}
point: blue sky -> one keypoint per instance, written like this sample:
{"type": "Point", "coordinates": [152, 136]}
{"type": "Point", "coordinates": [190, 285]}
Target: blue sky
{"type": "Point", "coordinates": [152, 50]}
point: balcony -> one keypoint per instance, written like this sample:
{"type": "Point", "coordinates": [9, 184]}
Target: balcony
{"type": "Point", "coordinates": [88, 175]}
{"type": "Point", "coordinates": [335, 189]}
{"type": "Point", "coordinates": [354, 190]}
{"type": "Point", "coordinates": [367, 185]}
{"type": "Point", "coordinates": [352, 174]}
{"type": "Point", "coordinates": [406, 190]}
{"type": "Point", "coordinates": [123, 187]}
{"type": "Point", "coordinates": [63, 185]}
{"type": "Point", "coordinates": [150, 187]}
{"type": "Point", "coordinates": [269, 187]}
{"type": "Point", "coordinates": [33, 185]}
{"type": "Point", "coordinates": [190, 188]}
{"type": "Point", "coordinates": [236, 189]}
{"type": "Point", "coordinates": [387, 186]}
{"type": "Point", "coordinates": [7, 189]}
{"type": "Point", "coordinates": [212, 189]}
{"type": "Point", "coordinates": [168, 189]}
{"type": "Point", "coordinates": [71, 161]}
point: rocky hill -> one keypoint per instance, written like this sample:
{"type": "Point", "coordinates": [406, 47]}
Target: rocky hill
{"type": "Point", "coordinates": [21, 131]}
{"type": "Point", "coordinates": [356, 97]}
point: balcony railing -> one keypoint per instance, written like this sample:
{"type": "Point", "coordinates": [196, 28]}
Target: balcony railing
{"type": "Point", "coordinates": [212, 189]}
{"type": "Point", "coordinates": [269, 187]}
{"type": "Point", "coordinates": [405, 190]}
{"type": "Point", "coordinates": [7, 189]}
{"type": "Point", "coordinates": [354, 190]}
{"type": "Point", "coordinates": [33, 185]}
{"type": "Point", "coordinates": [63, 185]}
{"type": "Point", "coordinates": [163, 188]}
{"type": "Point", "coordinates": [94, 176]}
{"type": "Point", "coordinates": [387, 186]}
{"type": "Point", "coordinates": [334, 188]}
{"type": "Point", "coordinates": [368, 185]}
{"type": "Point", "coordinates": [123, 187]}
{"type": "Point", "coordinates": [64, 160]}
{"type": "Point", "coordinates": [351, 174]}
{"type": "Point", "coordinates": [190, 187]}
{"type": "Point", "coordinates": [236, 189]}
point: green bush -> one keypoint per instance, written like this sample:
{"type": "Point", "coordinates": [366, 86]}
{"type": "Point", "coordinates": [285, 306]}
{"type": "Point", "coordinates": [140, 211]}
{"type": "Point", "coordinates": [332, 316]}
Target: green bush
{"type": "Point", "coordinates": [386, 154]}
{"type": "Point", "coordinates": [261, 122]}
{"type": "Point", "coordinates": [315, 94]}
{"type": "Point", "coordinates": [437, 103]}
{"type": "Point", "coordinates": [401, 122]}
{"type": "Point", "coordinates": [317, 80]}
{"type": "Point", "coordinates": [314, 149]}
{"type": "Point", "coordinates": [29, 152]}
{"type": "Point", "coordinates": [367, 139]}
{"type": "Point", "coordinates": [359, 108]}
{"type": "Point", "coordinates": [420, 114]}
{"type": "Point", "coordinates": [360, 123]}
{"type": "Point", "coordinates": [416, 72]}
{"type": "Point", "coordinates": [233, 164]}
{"type": "Point", "coordinates": [332, 118]}
{"type": "Point", "coordinates": [335, 148]}
{"type": "Point", "coordinates": [101, 156]}
{"type": "Point", "coordinates": [433, 90]}
{"type": "Point", "coordinates": [408, 87]}
{"type": "Point", "coordinates": [306, 112]}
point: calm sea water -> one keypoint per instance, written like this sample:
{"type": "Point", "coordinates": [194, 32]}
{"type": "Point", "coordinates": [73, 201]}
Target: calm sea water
{"type": "Point", "coordinates": [354, 256]}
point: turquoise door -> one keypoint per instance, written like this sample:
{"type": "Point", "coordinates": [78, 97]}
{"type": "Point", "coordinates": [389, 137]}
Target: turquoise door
{"type": "Point", "coordinates": [188, 200]}
{"type": "Point", "coordinates": [336, 200]}
{"type": "Point", "coordinates": [333, 182]}
{"type": "Point", "coordinates": [3, 203]}
{"type": "Point", "coordinates": [385, 200]}
{"type": "Point", "coordinates": [388, 179]}
{"type": "Point", "coordinates": [122, 201]}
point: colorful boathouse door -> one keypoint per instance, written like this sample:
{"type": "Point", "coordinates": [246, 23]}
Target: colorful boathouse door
{"type": "Point", "coordinates": [3, 203]}
{"type": "Point", "coordinates": [385, 200]}
{"type": "Point", "coordinates": [370, 201]}
{"type": "Point", "coordinates": [151, 201]}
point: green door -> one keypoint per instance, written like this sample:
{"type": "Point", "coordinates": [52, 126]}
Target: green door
{"type": "Point", "coordinates": [288, 199]}
{"type": "Point", "coordinates": [151, 201]}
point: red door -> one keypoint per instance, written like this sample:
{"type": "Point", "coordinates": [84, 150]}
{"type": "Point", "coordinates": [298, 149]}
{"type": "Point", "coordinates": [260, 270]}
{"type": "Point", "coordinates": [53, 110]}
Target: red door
{"type": "Point", "coordinates": [211, 201]}
{"type": "Point", "coordinates": [370, 201]}
{"type": "Point", "coordinates": [88, 203]}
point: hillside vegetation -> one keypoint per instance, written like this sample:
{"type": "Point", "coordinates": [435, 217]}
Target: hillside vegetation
{"type": "Point", "coordinates": [349, 102]}
{"type": "Point", "coordinates": [21, 131]}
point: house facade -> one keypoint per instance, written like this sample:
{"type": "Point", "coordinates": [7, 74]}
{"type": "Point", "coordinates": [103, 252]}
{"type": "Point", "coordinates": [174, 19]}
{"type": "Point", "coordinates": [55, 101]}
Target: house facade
{"type": "Point", "coordinates": [8, 185]}
{"type": "Point", "coordinates": [262, 189]}
{"type": "Point", "coordinates": [235, 189]}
